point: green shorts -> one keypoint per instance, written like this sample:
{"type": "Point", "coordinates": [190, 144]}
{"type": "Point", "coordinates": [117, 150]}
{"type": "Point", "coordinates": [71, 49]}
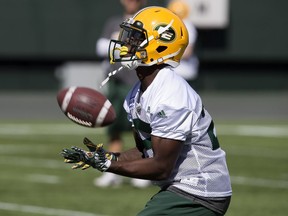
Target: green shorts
{"type": "Point", "coordinates": [169, 203]}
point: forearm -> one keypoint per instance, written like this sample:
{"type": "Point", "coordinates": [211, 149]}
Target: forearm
{"type": "Point", "coordinates": [144, 168]}
{"type": "Point", "coordinates": [130, 163]}
{"type": "Point", "coordinates": [129, 155]}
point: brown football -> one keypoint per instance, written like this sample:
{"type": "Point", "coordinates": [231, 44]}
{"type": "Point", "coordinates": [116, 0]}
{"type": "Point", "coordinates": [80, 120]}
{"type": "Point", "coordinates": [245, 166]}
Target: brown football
{"type": "Point", "coordinates": [86, 106]}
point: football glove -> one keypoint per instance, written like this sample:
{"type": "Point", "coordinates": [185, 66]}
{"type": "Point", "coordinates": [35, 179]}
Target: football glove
{"type": "Point", "coordinates": [70, 156]}
{"type": "Point", "coordinates": [99, 147]}
{"type": "Point", "coordinates": [97, 157]}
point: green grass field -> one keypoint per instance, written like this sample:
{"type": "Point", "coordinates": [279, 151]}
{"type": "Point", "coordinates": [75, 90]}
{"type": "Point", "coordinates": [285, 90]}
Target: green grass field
{"type": "Point", "coordinates": [34, 180]}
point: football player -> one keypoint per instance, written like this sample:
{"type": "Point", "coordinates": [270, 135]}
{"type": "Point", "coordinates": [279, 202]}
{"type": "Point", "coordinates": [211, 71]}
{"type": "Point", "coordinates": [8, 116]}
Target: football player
{"type": "Point", "coordinates": [176, 143]}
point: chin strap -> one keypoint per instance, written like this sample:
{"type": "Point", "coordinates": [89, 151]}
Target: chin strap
{"type": "Point", "coordinates": [110, 75]}
{"type": "Point", "coordinates": [162, 59]}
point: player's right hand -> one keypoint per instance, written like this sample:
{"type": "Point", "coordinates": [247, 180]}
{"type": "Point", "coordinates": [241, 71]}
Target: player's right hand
{"type": "Point", "coordinates": [99, 149]}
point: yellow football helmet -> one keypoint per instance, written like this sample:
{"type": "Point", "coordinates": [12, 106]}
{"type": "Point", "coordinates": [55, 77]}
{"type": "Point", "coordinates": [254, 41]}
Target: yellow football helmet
{"type": "Point", "coordinates": [155, 35]}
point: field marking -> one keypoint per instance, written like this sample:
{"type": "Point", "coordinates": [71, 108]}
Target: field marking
{"type": "Point", "coordinates": [259, 182]}
{"type": "Point", "coordinates": [42, 210]}
{"type": "Point", "coordinates": [253, 130]}
{"type": "Point", "coordinates": [16, 149]}
{"type": "Point", "coordinates": [41, 178]}
{"type": "Point", "coordinates": [33, 162]}
{"type": "Point", "coordinates": [252, 152]}
{"type": "Point", "coordinates": [47, 129]}
{"type": "Point", "coordinates": [64, 129]}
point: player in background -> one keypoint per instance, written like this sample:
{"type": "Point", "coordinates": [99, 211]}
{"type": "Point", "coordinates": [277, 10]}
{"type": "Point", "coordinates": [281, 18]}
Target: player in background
{"type": "Point", "coordinates": [117, 90]}
{"type": "Point", "coordinates": [189, 63]}
{"type": "Point", "coordinates": [176, 143]}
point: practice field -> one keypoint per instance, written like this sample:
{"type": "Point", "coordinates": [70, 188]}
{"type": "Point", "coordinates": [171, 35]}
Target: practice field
{"type": "Point", "coordinates": [34, 181]}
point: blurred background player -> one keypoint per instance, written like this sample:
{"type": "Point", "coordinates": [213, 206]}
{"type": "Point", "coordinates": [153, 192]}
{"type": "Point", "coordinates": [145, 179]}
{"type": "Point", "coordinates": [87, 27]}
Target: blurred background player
{"type": "Point", "coordinates": [117, 90]}
{"type": "Point", "coordinates": [188, 67]}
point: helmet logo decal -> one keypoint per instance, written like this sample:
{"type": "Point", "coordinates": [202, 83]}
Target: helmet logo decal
{"type": "Point", "coordinates": [168, 35]}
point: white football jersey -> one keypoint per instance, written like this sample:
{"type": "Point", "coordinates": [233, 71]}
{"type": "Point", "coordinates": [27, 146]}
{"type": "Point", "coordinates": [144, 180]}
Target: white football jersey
{"type": "Point", "coordinates": [170, 108]}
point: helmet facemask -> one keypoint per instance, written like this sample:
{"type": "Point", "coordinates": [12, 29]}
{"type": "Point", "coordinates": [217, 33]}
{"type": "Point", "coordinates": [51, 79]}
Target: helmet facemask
{"type": "Point", "coordinates": [129, 49]}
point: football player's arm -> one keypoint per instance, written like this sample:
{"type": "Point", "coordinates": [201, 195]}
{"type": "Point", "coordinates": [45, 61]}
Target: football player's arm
{"type": "Point", "coordinates": [159, 167]}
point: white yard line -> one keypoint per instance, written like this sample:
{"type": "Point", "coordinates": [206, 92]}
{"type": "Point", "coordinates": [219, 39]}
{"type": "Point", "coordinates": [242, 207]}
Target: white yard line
{"type": "Point", "coordinates": [46, 129]}
{"type": "Point", "coordinates": [275, 154]}
{"type": "Point", "coordinates": [33, 162]}
{"type": "Point", "coordinates": [259, 182]}
{"type": "Point", "coordinates": [63, 129]}
{"type": "Point", "coordinates": [42, 210]}
{"type": "Point", "coordinates": [43, 178]}
{"type": "Point", "coordinates": [253, 130]}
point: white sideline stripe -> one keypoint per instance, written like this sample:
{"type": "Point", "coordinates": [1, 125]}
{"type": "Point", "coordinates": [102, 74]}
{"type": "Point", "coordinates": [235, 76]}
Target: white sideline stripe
{"type": "Point", "coordinates": [32, 162]}
{"type": "Point", "coordinates": [42, 210]}
{"type": "Point", "coordinates": [47, 129]}
{"type": "Point", "coordinates": [259, 182]}
{"type": "Point", "coordinates": [253, 130]}
{"type": "Point", "coordinates": [63, 129]}
{"type": "Point", "coordinates": [252, 152]}
{"type": "Point", "coordinates": [40, 178]}
{"type": "Point", "coordinates": [18, 149]}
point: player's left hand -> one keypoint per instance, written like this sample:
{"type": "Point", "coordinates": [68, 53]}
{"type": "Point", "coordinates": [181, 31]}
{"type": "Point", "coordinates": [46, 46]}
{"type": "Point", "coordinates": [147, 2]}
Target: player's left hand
{"type": "Point", "coordinates": [70, 156]}
{"type": "Point", "coordinates": [83, 159]}
{"type": "Point", "coordinates": [76, 156]}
